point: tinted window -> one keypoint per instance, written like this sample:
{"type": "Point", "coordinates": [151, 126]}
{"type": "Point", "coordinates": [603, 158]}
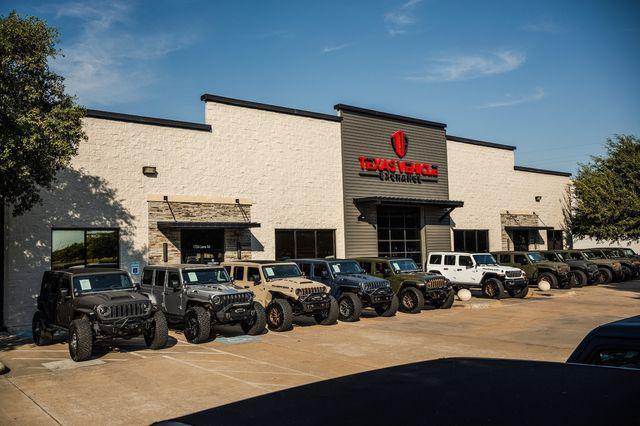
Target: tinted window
{"type": "Point", "coordinates": [435, 259]}
{"type": "Point", "coordinates": [505, 258]}
{"type": "Point", "coordinates": [520, 259]}
{"type": "Point", "coordinates": [174, 277]}
{"type": "Point", "coordinates": [449, 259]}
{"type": "Point", "coordinates": [253, 274]}
{"type": "Point", "coordinates": [147, 275]}
{"type": "Point", "coordinates": [471, 240]}
{"type": "Point", "coordinates": [160, 278]}
{"type": "Point", "coordinates": [204, 276]}
{"type": "Point", "coordinates": [318, 269]}
{"type": "Point", "coordinates": [366, 266]}
{"type": "Point", "coordinates": [304, 243]}
{"type": "Point", "coordinates": [305, 268]}
{"type": "Point", "coordinates": [238, 273]}
{"type": "Point", "coordinates": [627, 358]}
{"type": "Point", "coordinates": [100, 282]}
{"type": "Point", "coordinates": [84, 247]}
{"type": "Point", "coordinates": [465, 261]}
{"type": "Point", "coordinates": [380, 267]}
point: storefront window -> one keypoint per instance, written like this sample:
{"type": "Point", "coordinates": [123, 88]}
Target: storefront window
{"type": "Point", "coordinates": [399, 233]}
{"type": "Point", "coordinates": [554, 239]}
{"type": "Point", "coordinates": [304, 243]}
{"type": "Point", "coordinates": [84, 247]}
{"type": "Point", "coordinates": [471, 240]}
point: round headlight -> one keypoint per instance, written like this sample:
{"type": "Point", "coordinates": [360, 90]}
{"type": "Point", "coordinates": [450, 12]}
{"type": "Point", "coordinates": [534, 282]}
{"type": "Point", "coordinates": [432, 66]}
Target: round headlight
{"type": "Point", "coordinates": [104, 311]}
{"type": "Point", "coordinates": [216, 299]}
{"type": "Point", "coordinates": [298, 291]}
{"type": "Point", "coordinates": [146, 307]}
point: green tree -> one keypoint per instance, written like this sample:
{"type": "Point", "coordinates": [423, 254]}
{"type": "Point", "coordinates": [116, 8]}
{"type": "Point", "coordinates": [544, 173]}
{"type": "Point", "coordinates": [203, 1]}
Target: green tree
{"type": "Point", "coordinates": [40, 125]}
{"type": "Point", "coordinates": [607, 193]}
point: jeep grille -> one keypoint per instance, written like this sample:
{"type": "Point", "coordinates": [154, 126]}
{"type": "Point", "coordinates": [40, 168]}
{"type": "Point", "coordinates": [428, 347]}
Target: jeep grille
{"type": "Point", "coordinates": [436, 283]}
{"type": "Point", "coordinates": [371, 287]}
{"type": "Point", "coordinates": [307, 291]}
{"type": "Point", "coordinates": [134, 309]}
{"type": "Point", "coordinates": [514, 274]}
{"type": "Point", "coordinates": [240, 297]}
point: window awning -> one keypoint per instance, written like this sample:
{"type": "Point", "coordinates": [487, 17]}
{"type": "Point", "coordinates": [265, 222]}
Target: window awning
{"type": "Point", "coordinates": [526, 228]}
{"type": "Point", "coordinates": [207, 225]}
{"type": "Point", "coordinates": [408, 201]}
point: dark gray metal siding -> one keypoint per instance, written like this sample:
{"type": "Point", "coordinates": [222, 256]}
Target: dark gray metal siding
{"type": "Point", "coordinates": [369, 136]}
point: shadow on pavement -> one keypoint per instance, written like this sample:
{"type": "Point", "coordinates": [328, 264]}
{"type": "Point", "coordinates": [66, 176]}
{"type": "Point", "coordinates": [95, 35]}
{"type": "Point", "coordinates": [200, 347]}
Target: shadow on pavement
{"type": "Point", "coordinates": [446, 391]}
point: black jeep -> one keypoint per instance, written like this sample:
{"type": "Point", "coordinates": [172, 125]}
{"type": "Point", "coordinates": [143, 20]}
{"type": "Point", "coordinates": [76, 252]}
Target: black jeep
{"type": "Point", "coordinates": [584, 272]}
{"type": "Point", "coordinates": [352, 287]}
{"type": "Point", "coordinates": [94, 304]}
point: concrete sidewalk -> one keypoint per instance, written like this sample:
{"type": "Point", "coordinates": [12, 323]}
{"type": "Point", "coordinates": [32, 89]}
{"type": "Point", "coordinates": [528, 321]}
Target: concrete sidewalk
{"type": "Point", "coordinates": [128, 384]}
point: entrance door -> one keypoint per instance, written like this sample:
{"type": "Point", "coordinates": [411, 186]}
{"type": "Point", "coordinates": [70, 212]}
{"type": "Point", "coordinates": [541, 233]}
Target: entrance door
{"type": "Point", "coordinates": [202, 245]}
{"type": "Point", "coordinates": [520, 240]}
{"type": "Point", "coordinates": [399, 232]}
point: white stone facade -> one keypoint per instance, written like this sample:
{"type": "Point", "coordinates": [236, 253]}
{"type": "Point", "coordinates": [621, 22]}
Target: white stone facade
{"type": "Point", "coordinates": [484, 178]}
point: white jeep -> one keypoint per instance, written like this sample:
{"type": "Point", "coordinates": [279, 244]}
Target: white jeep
{"type": "Point", "coordinates": [467, 270]}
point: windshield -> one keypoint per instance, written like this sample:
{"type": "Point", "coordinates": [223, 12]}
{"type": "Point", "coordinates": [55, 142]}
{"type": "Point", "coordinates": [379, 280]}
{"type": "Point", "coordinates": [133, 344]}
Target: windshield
{"type": "Point", "coordinates": [574, 256]}
{"type": "Point", "coordinates": [553, 257]}
{"type": "Point", "coordinates": [535, 257]}
{"type": "Point", "coordinates": [101, 282]}
{"type": "Point", "coordinates": [629, 252]}
{"type": "Point", "coordinates": [287, 270]}
{"type": "Point", "coordinates": [205, 276]}
{"type": "Point", "coordinates": [346, 267]}
{"type": "Point", "coordinates": [404, 265]}
{"type": "Point", "coordinates": [615, 253]}
{"type": "Point", "coordinates": [592, 255]}
{"type": "Point", "coordinates": [484, 259]}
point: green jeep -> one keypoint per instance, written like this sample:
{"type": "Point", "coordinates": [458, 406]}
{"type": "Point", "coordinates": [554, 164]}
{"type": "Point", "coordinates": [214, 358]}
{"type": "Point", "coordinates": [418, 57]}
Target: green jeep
{"type": "Point", "coordinates": [537, 268]}
{"type": "Point", "coordinates": [411, 285]}
{"type": "Point", "coordinates": [609, 269]}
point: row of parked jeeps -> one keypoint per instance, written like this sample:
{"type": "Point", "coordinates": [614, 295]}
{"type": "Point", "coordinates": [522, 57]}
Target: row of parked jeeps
{"type": "Point", "coordinates": [92, 304]}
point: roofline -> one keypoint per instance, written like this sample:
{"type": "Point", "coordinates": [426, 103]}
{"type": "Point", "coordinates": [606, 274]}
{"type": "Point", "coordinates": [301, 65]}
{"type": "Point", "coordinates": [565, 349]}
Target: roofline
{"type": "Point", "coordinates": [380, 114]}
{"type": "Point", "coordinates": [267, 107]}
{"type": "Point", "coordinates": [139, 119]}
{"type": "Point", "coordinates": [480, 143]}
{"type": "Point", "coordinates": [541, 171]}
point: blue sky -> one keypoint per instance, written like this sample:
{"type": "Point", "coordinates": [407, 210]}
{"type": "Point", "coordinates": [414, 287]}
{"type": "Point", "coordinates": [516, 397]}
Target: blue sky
{"type": "Point", "coordinates": [555, 79]}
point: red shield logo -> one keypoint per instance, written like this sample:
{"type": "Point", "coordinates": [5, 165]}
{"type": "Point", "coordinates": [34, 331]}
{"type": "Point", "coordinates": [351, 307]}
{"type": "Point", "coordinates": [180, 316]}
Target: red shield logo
{"type": "Point", "coordinates": [399, 143]}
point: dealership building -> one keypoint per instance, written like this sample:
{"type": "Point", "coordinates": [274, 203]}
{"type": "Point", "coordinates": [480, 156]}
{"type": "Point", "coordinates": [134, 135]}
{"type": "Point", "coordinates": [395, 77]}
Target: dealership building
{"type": "Point", "coordinates": [262, 182]}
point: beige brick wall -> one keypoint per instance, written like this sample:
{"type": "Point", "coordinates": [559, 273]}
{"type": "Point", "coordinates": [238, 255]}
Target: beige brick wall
{"type": "Point", "coordinates": [287, 166]}
{"type": "Point", "coordinates": [485, 180]}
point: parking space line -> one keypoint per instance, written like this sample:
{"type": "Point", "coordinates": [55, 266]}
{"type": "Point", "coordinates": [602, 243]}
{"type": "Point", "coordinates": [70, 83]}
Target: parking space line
{"type": "Point", "coordinates": [261, 387]}
{"type": "Point", "coordinates": [265, 363]}
{"type": "Point", "coordinates": [259, 372]}
{"type": "Point", "coordinates": [36, 358]}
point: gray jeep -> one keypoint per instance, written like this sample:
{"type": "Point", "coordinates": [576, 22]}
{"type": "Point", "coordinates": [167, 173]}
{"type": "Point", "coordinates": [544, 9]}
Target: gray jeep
{"type": "Point", "coordinates": [200, 297]}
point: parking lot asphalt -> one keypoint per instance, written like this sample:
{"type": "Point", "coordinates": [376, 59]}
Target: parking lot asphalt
{"type": "Point", "coordinates": [125, 383]}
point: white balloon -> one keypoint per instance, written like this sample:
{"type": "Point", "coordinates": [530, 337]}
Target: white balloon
{"type": "Point", "coordinates": [464, 294]}
{"type": "Point", "coordinates": [544, 285]}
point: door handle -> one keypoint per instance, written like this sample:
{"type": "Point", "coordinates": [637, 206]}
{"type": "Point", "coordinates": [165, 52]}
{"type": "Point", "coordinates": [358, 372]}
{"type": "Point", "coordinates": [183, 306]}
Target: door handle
{"type": "Point", "coordinates": [166, 294]}
{"type": "Point", "coordinates": [446, 269]}
{"type": "Point", "coordinates": [458, 269]}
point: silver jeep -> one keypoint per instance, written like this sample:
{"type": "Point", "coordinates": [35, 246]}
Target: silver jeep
{"type": "Point", "coordinates": [200, 297]}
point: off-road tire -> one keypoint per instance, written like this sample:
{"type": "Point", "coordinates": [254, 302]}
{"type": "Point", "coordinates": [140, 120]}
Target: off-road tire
{"type": "Point", "coordinates": [197, 324]}
{"type": "Point", "coordinates": [492, 288]}
{"type": "Point", "coordinates": [581, 278]}
{"type": "Point", "coordinates": [447, 303]}
{"type": "Point", "coordinates": [627, 274]}
{"type": "Point", "coordinates": [349, 307]}
{"type": "Point", "coordinates": [550, 278]}
{"type": "Point", "coordinates": [329, 317]}
{"type": "Point", "coordinates": [38, 329]}
{"type": "Point", "coordinates": [519, 293]}
{"type": "Point", "coordinates": [567, 285]}
{"type": "Point", "coordinates": [80, 339]}
{"type": "Point", "coordinates": [606, 276]}
{"type": "Point", "coordinates": [390, 309]}
{"type": "Point", "coordinates": [411, 300]}
{"type": "Point", "coordinates": [156, 336]}
{"type": "Point", "coordinates": [258, 323]}
{"type": "Point", "coordinates": [282, 318]}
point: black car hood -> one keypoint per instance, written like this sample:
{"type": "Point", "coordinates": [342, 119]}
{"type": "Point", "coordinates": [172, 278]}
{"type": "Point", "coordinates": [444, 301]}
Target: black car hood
{"type": "Point", "coordinates": [108, 298]}
{"type": "Point", "coordinates": [355, 279]}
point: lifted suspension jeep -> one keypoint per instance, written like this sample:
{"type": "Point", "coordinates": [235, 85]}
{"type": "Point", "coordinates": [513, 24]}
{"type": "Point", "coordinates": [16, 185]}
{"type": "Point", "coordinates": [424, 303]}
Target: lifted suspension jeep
{"type": "Point", "coordinates": [608, 270]}
{"type": "Point", "coordinates": [537, 268]}
{"type": "Point", "coordinates": [201, 297]}
{"type": "Point", "coordinates": [630, 265]}
{"type": "Point", "coordinates": [352, 288]}
{"type": "Point", "coordinates": [584, 272]}
{"type": "Point", "coordinates": [479, 270]}
{"type": "Point", "coordinates": [412, 286]}
{"type": "Point", "coordinates": [93, 304]}
{"type": "Point", "coordinates": [284, 292]}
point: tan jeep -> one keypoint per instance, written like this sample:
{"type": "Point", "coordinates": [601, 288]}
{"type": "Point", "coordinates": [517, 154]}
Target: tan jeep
{"type": "Point", "coordinates": [284, 292]}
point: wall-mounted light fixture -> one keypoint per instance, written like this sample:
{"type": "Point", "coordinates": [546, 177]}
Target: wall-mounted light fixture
{"type": "Point", "coordinates": [361, 218]}
{"type": "Point", "coordinates": [149, 171]}
{"type": "Point", "coordinates": [538, 198]}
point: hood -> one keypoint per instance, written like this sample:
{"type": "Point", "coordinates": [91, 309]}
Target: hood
{"type": "Point", "coordinates": [295, 283]}
{"type": "Point", "coordinates": [553, 265]}
{"type": "Point", "coordinates": [500, 269]}
{"type": "Point", "coordinates": [355, 279]}
{"type": "Point", "coordinates": [577, 263]}
{"type": "Point", "coordinates": [213, 289]}
{"type": "Point", "coordinates": [109, 298]}
{"type": "Point", "coordinates": [419, 276]}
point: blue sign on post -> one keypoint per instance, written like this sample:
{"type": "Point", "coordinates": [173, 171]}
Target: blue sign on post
{"type": "Point", "coordinates": [135, 268]}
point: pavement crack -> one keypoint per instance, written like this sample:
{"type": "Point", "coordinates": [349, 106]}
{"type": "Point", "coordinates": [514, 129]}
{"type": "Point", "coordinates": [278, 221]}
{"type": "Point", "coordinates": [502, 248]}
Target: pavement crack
{"type": "Point", "coordinates": [34, 401]}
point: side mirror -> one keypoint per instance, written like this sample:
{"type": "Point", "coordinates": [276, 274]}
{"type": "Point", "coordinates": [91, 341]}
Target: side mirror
{"type": "Point", "coordinates": [64, 293]}
{"type": "Point", "coordinates": [233, 280]}
{"type": "Point", "coordinates": [386, 271]}
{"type": "Point", "coordinates": [469, 266]}
{"type": "Point", "coordinates": [256, 280]}
{"type": "Point", "coordinates": [136, 286]}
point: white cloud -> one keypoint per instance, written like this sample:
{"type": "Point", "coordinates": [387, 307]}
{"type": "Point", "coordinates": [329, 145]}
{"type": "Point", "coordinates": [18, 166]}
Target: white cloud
{"type": "Point", "coordinates": [538, 95]}
{"type": "Point", "coordinates": [542, 26]}
{"type": "Point", "coordinates": [109, 63]}
{"type": "Point", "coordinates": [329, 49]}
{"type": "Point", "coordinates": [399, 19]}
{"type": "Point", "coordinates": [470, 66]}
